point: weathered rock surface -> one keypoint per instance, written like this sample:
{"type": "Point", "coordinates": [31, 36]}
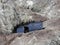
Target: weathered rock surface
{"type": "Point", "coordinates": [47, 36]}
{"type": "Point", "coordinates": [14, 12]}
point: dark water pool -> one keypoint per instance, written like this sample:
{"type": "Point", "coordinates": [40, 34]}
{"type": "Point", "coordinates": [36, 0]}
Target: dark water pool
{"type": "Point", "coordinates": [30, 27]}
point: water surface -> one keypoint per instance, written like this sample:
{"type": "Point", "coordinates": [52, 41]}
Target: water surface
{"type": "Point", "coordinates": [31, 27]}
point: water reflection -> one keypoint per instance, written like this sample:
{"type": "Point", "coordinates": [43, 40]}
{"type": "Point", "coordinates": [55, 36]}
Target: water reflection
{"type": "Point", "coordinates": [30, 27]}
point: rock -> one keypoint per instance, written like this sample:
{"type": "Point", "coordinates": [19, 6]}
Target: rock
{"type": "Point", "coordinates": [7, 39]}
{"type": "Point", "coordinates": [52, 24]}
{"type": "Point", "coordinates": [51, 10]}
{"type": "Point", "coordinates": [48, 36]}
{"type": "Point", "coordinates": [14, 12]}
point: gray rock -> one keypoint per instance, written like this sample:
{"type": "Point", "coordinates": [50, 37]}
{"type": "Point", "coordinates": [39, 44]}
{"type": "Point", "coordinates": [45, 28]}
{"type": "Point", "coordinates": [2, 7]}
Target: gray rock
{"type": "Point", "coordinates": [43, 37]}
{"type": "Point", "coordinates": [46, 36]}
{"type": "Point", "coordinates": [14, 12]}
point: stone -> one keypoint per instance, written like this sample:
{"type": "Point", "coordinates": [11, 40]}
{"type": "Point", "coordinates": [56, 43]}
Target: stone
{"type": "Point", "coordinates": [14, 12]}
{"type": "Point", "coordinates": [42, 37]}
{"type": "Point", "coordinates": [48, 36]}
